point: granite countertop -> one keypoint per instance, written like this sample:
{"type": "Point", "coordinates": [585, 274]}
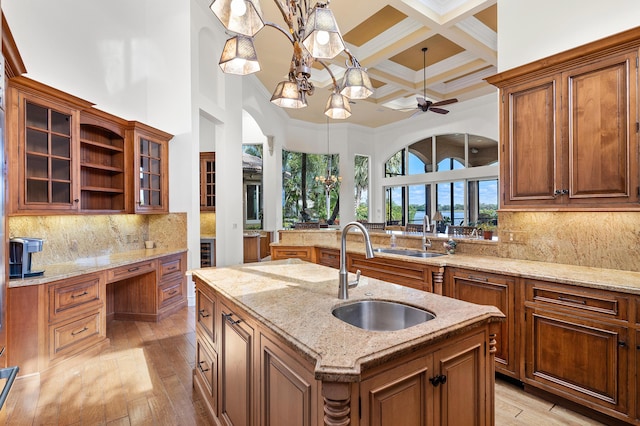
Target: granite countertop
{"type": "Point", "coordinates": [87, 265]}
{"type": "Point", "coordinates": [585, 276]}
{"type": "Point", "coordinates": [294, 299]}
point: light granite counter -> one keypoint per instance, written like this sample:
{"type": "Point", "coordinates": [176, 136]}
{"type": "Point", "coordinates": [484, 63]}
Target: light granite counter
{"type": "Point", "coordinates": [294, 300]}
{"type": "Point", "coordinates": [601, 278]}
{"type": "Point", "coordinates": [87, 265]}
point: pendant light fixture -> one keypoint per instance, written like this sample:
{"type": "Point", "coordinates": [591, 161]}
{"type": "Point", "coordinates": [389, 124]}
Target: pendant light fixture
{"type": "Point", "coordinates": [314, 36]}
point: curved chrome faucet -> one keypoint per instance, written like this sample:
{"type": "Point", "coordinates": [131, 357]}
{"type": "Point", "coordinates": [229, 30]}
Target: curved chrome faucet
{"type": "Point", "coordinates": [426, 243]}
{"type": "Point", "coordinates": [345, 285]}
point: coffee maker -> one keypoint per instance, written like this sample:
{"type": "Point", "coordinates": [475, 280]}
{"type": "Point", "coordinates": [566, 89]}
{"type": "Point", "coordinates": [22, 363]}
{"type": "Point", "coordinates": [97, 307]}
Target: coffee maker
{"type": "Point", "coordinates": [20, 251]}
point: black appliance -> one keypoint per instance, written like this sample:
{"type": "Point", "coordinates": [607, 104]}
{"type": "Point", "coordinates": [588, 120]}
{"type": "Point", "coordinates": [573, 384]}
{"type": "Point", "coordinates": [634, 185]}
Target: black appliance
{"type": "Point", "coordinates": [20, 251]}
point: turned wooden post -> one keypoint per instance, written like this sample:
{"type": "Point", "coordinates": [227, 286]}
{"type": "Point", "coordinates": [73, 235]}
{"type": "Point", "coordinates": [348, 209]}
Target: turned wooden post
{"type": "Point", "coordinates": [438, 279]}
{"type": "Point", "coordinates": [337, 403]}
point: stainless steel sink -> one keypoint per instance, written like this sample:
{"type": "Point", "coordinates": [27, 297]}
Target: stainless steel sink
{"type": "Point", "coordinates": [406, 252]}
{"type": "Point", "coordinates": [378, 315]}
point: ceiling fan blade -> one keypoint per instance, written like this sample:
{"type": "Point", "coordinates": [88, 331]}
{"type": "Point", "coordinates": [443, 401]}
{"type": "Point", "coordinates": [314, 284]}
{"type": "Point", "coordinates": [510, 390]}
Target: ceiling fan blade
{"type": "Point", "coordinates": [439, 110]}
{"type": "Point", "coordinates": [445, 102]}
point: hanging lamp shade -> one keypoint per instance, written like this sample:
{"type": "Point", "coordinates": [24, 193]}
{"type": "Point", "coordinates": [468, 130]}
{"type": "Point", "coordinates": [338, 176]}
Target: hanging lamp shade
{"type": "Point", "coordinates": [287, 95]}
{"type": "Point", "coordinates": [240, 16]}
{"type": "Point", "coordinates": [356, 83]}
{"type": "Point", "coordinates": [239, 56]}
{"type": "Point", "coordinates": [322, 37]}
{"type": "Point", "coordinates": [337, 107]}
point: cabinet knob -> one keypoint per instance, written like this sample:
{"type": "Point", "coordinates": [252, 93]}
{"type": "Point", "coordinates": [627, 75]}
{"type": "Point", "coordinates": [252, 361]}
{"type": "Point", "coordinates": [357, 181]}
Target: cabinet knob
{"type": "Point", "coordinates": [441, 378]}
{"type": "Point", "coordinates": [622, 344]}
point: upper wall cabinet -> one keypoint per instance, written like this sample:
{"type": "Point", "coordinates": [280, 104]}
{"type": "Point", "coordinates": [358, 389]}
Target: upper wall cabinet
{"type": "Point", "coordinates": [151, 168]}
{"type": "Point", "coordinates": [208, 181]}
{"type": "Point", "coordinates": [42, 135]}
{"type": "Point", "coordinates": [569, 135]}
{"type": "Point", "coordinates": [67, 157]}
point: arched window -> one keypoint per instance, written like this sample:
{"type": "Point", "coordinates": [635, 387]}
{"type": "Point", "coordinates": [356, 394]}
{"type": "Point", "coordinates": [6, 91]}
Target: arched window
{"type": "Point", "coordinates": [455, 174]}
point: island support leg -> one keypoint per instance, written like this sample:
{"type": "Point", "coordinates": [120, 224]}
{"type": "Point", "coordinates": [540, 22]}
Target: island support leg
{"type": "Point", "coordinates": [337, 403]}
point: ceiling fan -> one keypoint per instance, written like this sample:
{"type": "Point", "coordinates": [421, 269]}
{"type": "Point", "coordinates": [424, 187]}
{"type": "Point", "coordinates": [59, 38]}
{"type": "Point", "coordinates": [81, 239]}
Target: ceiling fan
{"type": "Point", "coordinates": [425, 105]}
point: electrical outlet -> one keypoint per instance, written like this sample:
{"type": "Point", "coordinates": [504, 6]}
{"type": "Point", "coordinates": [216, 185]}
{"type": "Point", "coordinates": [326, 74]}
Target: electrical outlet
{"type": "Point", "coordinates": [516, 237]}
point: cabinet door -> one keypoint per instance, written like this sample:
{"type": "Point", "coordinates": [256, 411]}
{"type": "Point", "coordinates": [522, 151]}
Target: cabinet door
{"type": "Point", "coordinates": [463, 398]}
{"type": "Point", "coordinates": [403, 392]}
{"type": "Point", "coordinates": [600, 106]}
{"type": "Point", "coordinates": [328, 257]}
{"type": "Point", "coordinates": [288, 390]}
{"type": "Point", "coordinates": [208, 181]}
{"type": "Point", "coordinates": [531, 143]}
{"type": "Point", "coordinates": [44, 168]}
{"type": "Point", "coordinates": [236, 370]}
{"type": "Point", "coordinates": [151, 168]}
{"type": "Point", "coordinates": [493, 290]}
{"type": "Point", "coordinates": [582, 360]}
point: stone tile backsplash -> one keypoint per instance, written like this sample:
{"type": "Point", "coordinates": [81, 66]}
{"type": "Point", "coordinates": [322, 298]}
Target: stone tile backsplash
{"type": "Point", "coordinates": [70, 237]}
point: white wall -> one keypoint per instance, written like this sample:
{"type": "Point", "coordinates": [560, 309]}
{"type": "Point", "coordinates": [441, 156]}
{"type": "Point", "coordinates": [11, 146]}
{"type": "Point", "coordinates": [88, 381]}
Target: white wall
{"type": "Point", "coordinates": [530, 30]}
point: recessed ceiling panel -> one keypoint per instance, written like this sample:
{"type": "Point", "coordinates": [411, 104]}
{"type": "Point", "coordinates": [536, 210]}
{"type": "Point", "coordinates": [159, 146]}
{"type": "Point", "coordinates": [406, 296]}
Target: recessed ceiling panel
{"type": "Point", "coordinates": [489, 17]}
{"type": "Point", "coordinates": [439, 47]}
{"type": "Point", "coordinates": [373, 26]}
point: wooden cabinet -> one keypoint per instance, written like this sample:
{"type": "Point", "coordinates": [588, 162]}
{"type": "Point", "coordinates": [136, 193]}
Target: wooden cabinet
{"type": "Point", "coordinates": [172, 289]}
{"type": "Point", "coordinates": [494, 290]}
{"type": "Point", "coordinates": [68, 157]}
{"type": "Point", "coordinates": [236, 369]}
{"type": "Point", "coordinates": [293, 252]}
{"type": "Point", "coordinates": [568, 129]}
{"type": "Point", "coordinates": [42, 127]}
{"type": "Point", "coordinates": [328, 257]}
{"type": "Point", "coordinates": [414, 275]}
{"type": "Point", "coordinates": [577, 345]}
{"type": "Point", "coordinates": [103, 163]}
{"type": "Point", "coordinates": [445, 387]}
{"type": "Point", "coordinates": [208, 181]}
{"type": "Point", "coordinates": [151, 163]}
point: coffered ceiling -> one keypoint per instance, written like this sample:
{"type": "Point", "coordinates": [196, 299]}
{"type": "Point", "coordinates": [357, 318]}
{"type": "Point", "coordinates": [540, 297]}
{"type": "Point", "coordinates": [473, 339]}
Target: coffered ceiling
{"type": "Point", "coordinates": [387, 37]}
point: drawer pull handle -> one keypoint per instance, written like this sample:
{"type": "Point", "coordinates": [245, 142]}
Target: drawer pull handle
{"type": "Point", "coordinates": [622, 343]}
{"type": "Point", "coordinates": [173, 268]}
{"type": "Point", "coordinates": [75, 333]}
{"type": "Point", "coordinates": [204, 370]}
{"type": "Point", "coordinates": [133, 269]}
{"type": "Point", "coordinates": [84, 293]}
{"type": "Point", "coordinates": [570, 300]}
{"type": "Point", "coordinates": [478, 278]}
{"type": "Point", "coordinates": [203, 313]}
{"type": "Point", "coordinates": [171, 293]}
{"type": "Point", "coordinates": [230, 320]}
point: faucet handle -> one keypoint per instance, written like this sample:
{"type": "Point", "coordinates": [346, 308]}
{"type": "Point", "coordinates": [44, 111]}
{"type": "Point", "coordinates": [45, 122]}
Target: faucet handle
{"type": "Point", "coordinates": [426, 243]}
{"type": "Point", "coordinates": [355, 283]}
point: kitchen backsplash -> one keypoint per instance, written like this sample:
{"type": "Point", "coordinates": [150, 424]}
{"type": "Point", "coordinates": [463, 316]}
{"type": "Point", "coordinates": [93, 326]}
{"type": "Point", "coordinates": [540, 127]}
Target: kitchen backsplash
{"type": "Point", "coordinates": [208, 224]}
{"type": "Point", "coordinates": [70, 237]}
{"type": "Point", "coordinates": [598, 239]}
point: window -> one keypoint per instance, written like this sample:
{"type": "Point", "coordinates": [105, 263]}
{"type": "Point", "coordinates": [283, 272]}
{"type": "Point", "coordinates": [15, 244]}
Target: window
{"type": "Point", "coordinates": [304, 198]}
{"type": "Point", "coordinates": [464, 186]}
{"type": "Point", "coordinates": [252, 183]}
{"type": "Point", "coordinates": [361, 186]}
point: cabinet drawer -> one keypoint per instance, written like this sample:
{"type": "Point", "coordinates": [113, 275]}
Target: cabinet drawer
{"type": "Point", "coordinates": [71, 337]}
{"type": "Point", "coordinates": [169, 293]}
{"type": "Point", "coordinates": [206, 370]}
{"type": "Point", "coordinates": [127, 271]}
{"type": "Point", "coordinates": [587, 301]}
{"type": "Point", "coordinates": [329, 257]}
{"type": "Point", "coordinates": [69, 297]}
{"type": "Point", "coordinates": [170, 266]}
{"type": "Point", "coordinates": [292, 252]}
{"type": "Point", "coordinates": [206, 312]}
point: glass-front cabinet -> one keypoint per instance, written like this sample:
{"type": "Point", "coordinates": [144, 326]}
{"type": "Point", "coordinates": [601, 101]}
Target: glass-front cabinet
{"type": "Point", "coordinates": [151, 169]}
{"type": "Point", "coordinates": [42, 131]}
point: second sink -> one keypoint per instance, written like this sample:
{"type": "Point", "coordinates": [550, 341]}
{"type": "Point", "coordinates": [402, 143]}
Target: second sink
{"type": "Point", "coordinates": [406, 252]}
{"type": "Point", "coordinates": [379, 315]}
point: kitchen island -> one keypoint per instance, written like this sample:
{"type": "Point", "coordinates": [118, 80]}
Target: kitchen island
{"type": "Point", "coordinates": [270, 351]}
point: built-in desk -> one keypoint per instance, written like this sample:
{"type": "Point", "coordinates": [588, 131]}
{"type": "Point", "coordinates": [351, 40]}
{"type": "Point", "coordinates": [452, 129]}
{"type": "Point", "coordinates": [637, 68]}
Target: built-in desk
{"type": "Point", "coordinates": [62, 316]}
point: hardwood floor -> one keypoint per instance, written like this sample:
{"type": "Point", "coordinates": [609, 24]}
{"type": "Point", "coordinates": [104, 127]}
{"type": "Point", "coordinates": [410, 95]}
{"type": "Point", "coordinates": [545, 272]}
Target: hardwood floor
{"type": "Point", "coordinates": [144, 378]}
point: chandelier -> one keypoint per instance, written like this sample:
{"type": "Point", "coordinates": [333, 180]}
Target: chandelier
{"type": "Point", "coordinates": [314, 36]}
{"type": "Point", "coordinates": [328, 181]}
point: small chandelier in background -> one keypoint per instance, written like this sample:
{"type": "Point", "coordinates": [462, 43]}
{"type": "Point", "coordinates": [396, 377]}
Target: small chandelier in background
{"type": "Point", "coordinates": [314, 36]}
{"type": "Point", "coordinates": [328, 181]}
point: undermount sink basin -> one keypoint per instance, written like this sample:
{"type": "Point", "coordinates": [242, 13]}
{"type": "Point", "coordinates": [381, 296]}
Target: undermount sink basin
{"type": "Point", "coordinates": [378, 315]}
{"type": "Point", "coordinates": [405, 252]}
